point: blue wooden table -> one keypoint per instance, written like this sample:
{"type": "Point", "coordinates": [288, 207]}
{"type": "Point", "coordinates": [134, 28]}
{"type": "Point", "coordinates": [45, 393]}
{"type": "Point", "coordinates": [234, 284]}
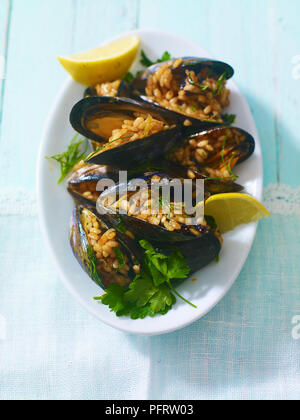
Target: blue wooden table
{"type": "Point", "coordinates": [247, 347]}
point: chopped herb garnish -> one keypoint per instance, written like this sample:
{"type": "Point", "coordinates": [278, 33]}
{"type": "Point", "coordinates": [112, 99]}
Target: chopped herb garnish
{"type": "Point", "coordinates": [74, 154]}
{"type": "Point", "coordinates": [218, 89]}
{"type": "Point", "coordinates": [233, 177]}
{"type": "Point", "coordinates": [102, 148]}
{"type": "Point", "coordinates": [121, 258]}
{"type": "Point", "coordinates": [191, 81]}
{"type": "Point", "coordinates": [121, 227]}
{"type": "Point", "coordinates": [95, 152]}
{"type": "Point", "coordinates": [93, 264]}
{"type": "Point", "coordinates": [228, 166]}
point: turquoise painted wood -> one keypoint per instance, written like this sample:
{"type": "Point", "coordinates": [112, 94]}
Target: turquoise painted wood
{"type": "Point", "coordinates": [5, 12]}
{"type": "Point", "coordinates": [260, 46]}
{"type": "Point", "coordinates": [244, 347]}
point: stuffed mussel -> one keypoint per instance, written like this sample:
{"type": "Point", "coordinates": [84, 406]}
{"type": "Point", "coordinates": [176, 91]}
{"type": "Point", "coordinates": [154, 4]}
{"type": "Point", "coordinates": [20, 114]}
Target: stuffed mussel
{"type": "Point", "coordinates": [105, 254]}
{"type": "Point", "coordinates": [193, 88]}
{"type": "Point", "coordinates": [87, 183]}
{"type": "Point", "coordinates": [128, 133]}
{"type": "Point", "coordinates": [150, 213]}
{"type": "Point", "coordinates": [214, 153]}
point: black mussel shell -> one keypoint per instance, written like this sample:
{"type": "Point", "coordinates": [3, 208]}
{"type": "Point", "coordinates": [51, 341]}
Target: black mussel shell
{"type": "Point", "coordinates": [216, 69]}
{"type": "Point", "coordinates": [198, 253]}
{"type": "Point", "coordinates": [132, 153]}
{"type": "Point", "coordinates": [237, 147]}
{"type": "Point", "coordinates": [85, 255]}
{"type": "Point", "coordinates": [86, 179]}
{"type": "Point", "coordinates": [211, 186]}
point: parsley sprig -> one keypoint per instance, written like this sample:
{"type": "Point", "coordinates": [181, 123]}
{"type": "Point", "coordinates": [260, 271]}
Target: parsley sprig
{"type": "Point", "coordinates": [76, 152]}
{"type": "Point", "coordinates": [229, 119]}
{"type": "Point", "coordinates": [146, 62]}
{"type": "Point", "coordinates": [151, 292]}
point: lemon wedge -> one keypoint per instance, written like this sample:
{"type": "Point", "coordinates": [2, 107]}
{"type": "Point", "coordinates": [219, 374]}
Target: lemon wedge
{"type": "Point", "coordinates": [103, 64]}
{"type": "Point", "coordinates": [233, 209]}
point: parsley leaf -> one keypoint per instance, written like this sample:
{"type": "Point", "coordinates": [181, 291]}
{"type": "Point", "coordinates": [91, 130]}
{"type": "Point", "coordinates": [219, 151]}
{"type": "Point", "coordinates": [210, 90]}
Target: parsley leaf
{"type": "Point", "coordinates": [146, 62]}
{"type": "Point", "coordinates": [165, 57]}
{"type": "Point", "coordinates": [229, 119]}
{"type": "Point", "coordinates": [163, 269]}
{"type": "Point", "coordinates": [114, 299]}
{"type": "Point", "coordinates": [162, 299]}
{"type": "Point", "coordinates": [141, 290]}
{"type": "Point", "coordinates": [74, 154]}
{"type": "Point", "coordinates": [128, 77]}
{"type": "Point", "coordinates": [177, 266]}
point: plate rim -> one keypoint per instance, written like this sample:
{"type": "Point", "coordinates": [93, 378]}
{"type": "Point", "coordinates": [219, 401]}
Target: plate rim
{"type": "Point", "coordinates": [41, 204]}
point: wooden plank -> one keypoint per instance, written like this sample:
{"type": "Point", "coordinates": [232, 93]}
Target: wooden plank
{"type": "Point", "coordinates": [5, 18]}
{"type": "Point", "coordinates": [38, 30]}
{"type": "Point", "coordinates": [243, 37]}
{"type": "Point", "coordinates": [99, 20]}
{"type": "Point", "coordinates": [287, 88]}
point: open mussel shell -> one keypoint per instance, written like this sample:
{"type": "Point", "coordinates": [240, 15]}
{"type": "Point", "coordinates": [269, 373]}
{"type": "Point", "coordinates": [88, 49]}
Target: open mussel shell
{"type": "Point", "coordinates": [87, 183]}
{"type": "Point", "coordinates": [102, 271]}
{"type": "Point", "coordinates": [196, 64]}
{"type": "Point", "coordinates": [143, 229]}
{"type": "Point", "coordinates": [97, 117]}
{"type": "Point", "coordinates": [209, 154]}
{"type": "Point", "coordinates": [83, 183]}
{"type": "Point", "coordinates": [201, 252]}
{"type": "Point", "coordinates": [214, 68]}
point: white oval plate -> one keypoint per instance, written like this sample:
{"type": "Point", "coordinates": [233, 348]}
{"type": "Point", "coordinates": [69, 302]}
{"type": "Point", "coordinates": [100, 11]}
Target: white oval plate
{"type": "Point", "coordinates": [55, 208]}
